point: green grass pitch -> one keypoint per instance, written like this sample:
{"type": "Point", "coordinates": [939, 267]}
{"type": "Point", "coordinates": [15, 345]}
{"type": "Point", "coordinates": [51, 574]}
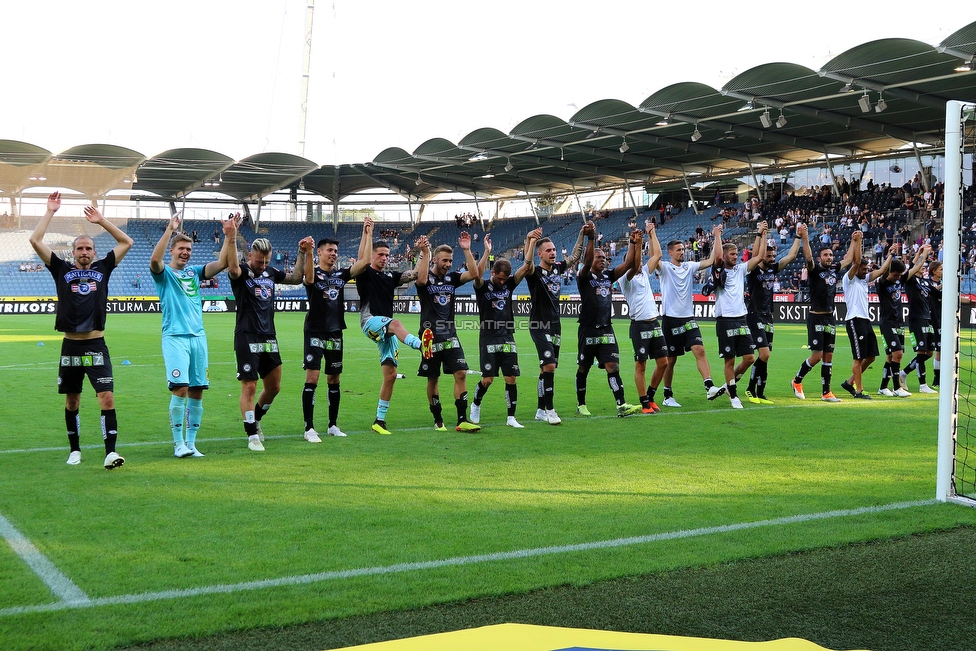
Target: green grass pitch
{"type": "Point", "coordinates": [168, 547]}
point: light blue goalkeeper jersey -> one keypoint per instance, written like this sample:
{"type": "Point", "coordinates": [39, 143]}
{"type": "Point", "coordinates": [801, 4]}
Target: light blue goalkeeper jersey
{"type": "Point", "coordinates": [180, 300]}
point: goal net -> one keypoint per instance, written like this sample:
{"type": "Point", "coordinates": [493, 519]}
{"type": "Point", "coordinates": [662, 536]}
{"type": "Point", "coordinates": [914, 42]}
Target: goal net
{"type": "Point", "coordinates": [956, 480]}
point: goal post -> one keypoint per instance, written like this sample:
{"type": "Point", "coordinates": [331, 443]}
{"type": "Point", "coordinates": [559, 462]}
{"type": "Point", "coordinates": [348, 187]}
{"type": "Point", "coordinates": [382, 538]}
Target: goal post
{"type": "Point", "coordinates": [956, 466]}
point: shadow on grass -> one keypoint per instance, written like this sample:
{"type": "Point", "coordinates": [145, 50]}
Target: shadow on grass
{"type": "Point", "coordinates": [896, 595]}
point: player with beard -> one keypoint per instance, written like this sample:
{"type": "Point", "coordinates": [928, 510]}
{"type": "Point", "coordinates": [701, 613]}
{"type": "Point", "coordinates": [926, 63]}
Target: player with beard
{"type": "Point", "coordinates": [678, 307]}
{"type": "Point", "coordinates": [255, 338]}
{"type": "Point", "coordinates": [436, 287]}
{"type": "Point", "coordinates": [919, 290]}
{"type": "Point", "coordinates": [890, 288]}
{"type": "Point", "coordinates": [82, 290]}
{"type": "Point", "coordinates": [596, 339]}
{"type": "Point", "coordinates": [325, 287]}
{"type": "Point", "coordinates": [646, 334]}
{"type": "Point", "coordinates": [731, 327]}
{"type": "Point", "coordinates": [496, 339]}
{"type": "Point", "coordinates": [821, 331]}
{"type": "Point", "coordinates": [545, 284]}
{"type": "Point", "coordinates": [760, 317]}
{"type": "Point", "coordinates": [860, 332]}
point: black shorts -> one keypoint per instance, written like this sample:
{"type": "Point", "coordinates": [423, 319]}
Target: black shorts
{"type": "Point", "coordinates": [923, 335]}
{"type": "Point", "coordinates": [448, 354]}
{"type": "Point", "coordinates": [734, 337]}
{"type": "Point", "coordinates": [498, 354]}
{"type": "Point", "coordinates": [647, 337]}
{"type": "Point", "coordinates": [893, 335]}
{"type": "Point", "coordinates": [597, 343]}
{"type": "Point", "coordinates": [547, 344]}
{"type": "Point", "coordinates": [80, 358]}
{"type": "Point", "coordinates": [327, 345]}
{"type": "Point", "coordinates": [864, 343]}
{"type": "Point", "coordinates": [256, 356]}
{"type": "Point", "coordinates": [680, 333]}
{"type": "Point", "coordinates": [938, 337]}
{"type": "Point", "coordinates": [761, 328]}
{"type": "Point", "coordinates": [821, 332]}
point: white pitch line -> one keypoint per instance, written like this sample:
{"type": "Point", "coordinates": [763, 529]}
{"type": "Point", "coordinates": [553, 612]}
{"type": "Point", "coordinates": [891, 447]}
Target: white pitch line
{"type": "Point", "coordinates": [304, 579]}
{"type": "Point", "coordinates": [356, 433]}
{"type": "Point", "coordinates": [71, 595]}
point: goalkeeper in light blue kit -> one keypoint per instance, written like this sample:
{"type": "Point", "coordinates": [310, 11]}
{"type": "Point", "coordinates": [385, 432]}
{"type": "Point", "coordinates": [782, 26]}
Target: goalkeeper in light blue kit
{"type": "Point", "coordinates": [184, 341]}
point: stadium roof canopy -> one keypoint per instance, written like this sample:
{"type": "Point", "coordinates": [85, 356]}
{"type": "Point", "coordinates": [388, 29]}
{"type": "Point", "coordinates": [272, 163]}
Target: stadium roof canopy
{"type": "Point", "coordinates": [881, 99]}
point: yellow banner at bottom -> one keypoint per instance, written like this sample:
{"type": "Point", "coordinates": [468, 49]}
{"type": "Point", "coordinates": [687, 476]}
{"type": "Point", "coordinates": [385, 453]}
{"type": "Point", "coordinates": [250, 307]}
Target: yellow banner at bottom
{"type": "Point", "coordinates": [526, 637]}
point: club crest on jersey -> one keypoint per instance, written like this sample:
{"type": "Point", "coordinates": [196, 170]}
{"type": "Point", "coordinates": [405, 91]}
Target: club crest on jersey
{"type": "Point", "coordinates": [498, 304]}
{"type": "Point", "coordinates": [332, 294]}
{"type": "Point", "coordinates": [84, 288]}
{"type": "Point", "coordinates": [264, 293]}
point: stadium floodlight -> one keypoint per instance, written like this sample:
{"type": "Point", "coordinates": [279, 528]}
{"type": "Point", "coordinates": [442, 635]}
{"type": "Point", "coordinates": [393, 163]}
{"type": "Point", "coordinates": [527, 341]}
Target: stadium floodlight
{"type": "Point", "coordinates": [881, 105]}
{"type": "Point", "coordinates": [624, 147]}
{"type": "Point", "coordinates": [665, 121]}
{"type": "Point", "coordinates": [696, 136]}
{"type": "Point", "coordinates": [966, 66]}
{"type": "Point", "coordinates": [846, 88]}
{"type": "Point", "coordinates": [781, 120]}
{"type": "Point", "coordinates": [865, 102]}
{"type": "Point", "coordinates": [748, 106]}
{"type": "Point", "coordinates": [509, 166]}
{"type": "Point", "coordinates": [765, 120]}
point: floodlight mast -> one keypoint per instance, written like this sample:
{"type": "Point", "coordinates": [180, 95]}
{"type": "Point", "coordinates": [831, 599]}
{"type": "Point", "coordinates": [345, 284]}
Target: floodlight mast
{"type": "Point", "coordinates": [303, 109]}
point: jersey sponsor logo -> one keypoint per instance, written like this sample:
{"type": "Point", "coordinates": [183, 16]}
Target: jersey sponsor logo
{"type": "Point", "coordinates": [603, 339]}
{"type": "Point", "coordinates": [734, 332]}
{"type": "Point", "coordinates": [83, 274]}
{"type": "Point", "coordinates": [501, 348]}
{"type": "Point", "coordinates": [188, 281]}
{"type": "Point", "coordinates": [270, 346]}
{"type": "Point", "coordinates": [94, 359]}
{"type": "Point", "coordinates": [325, 344]}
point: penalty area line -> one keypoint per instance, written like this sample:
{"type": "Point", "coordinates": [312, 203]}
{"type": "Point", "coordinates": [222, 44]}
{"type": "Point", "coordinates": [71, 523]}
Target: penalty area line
{"type": "Point", "coordinates": [397, 568]}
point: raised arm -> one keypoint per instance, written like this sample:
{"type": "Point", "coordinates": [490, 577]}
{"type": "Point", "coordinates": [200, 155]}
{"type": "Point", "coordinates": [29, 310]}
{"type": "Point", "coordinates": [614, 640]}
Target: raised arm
{"type": "Point", "coordinates": [124, 241]}
{"type": "Point", "coordinates": [528, 254]}
{"type": "Point", "coordinates": [807, 251]}
{"type": "Point", "coordinates": [759, 249]}
{"type": "Point", "coordinates": [479, 280]}
{"type": "Point", "coordinates": [919, 262]}
{"type": "Point", "coordinates": [37, 237]}
{"type": "Point", "coordinates": [526, 267]}
{"type": "Point", "coordinates": [794, 249]}
{"type": "Point", "coordinates": [884, 268]}
{"type": "Point", "coordinates": [156, 260]}
{"type": "Point", "coordinates": [365, 245]}
{"type": "Point", "coordinates": [228, 250]}
{"type": "Point", "coordinates": [423, 267]}
{"type": "Point", "coordinates": [577, 251]}
{"type": "Point", "coordinates": [654, 251]}
{"type": "Point", "coordinates": [588, 252]}
{"type": "Point", "coordinates": [633, 259]}
{"type": "Point", "coordinates": [297, 275]}
{"type": "Point", "coordinates": [410, 276]}
{"type": "Point", "coordinates": [853, 255]}
{"type": "Point", "coordinates": [470, 264]}
{"type": "Point", "coordinates": [716, 247]}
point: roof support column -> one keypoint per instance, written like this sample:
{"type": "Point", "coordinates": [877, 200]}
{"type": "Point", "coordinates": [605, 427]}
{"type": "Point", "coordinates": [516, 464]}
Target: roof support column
{"type": "Point", "coordinates": [579, 203]}
{"type": "Point", "coordinates": [410, 208]}
{"type": "Point", "coordinates": [629, 194]}
{"type": "Point", "coordinates": [691, 196]}
{"type": "Point", "coordinates": [335, 216]}
{"type": "Point", "coordinates": [477, 209]}
{"type": "Point", "coordinates": [420, 213]}
{"type": "Point", "coordinates": [921, 168]}
{"type": "Point", "coordinates": [830, 170]}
